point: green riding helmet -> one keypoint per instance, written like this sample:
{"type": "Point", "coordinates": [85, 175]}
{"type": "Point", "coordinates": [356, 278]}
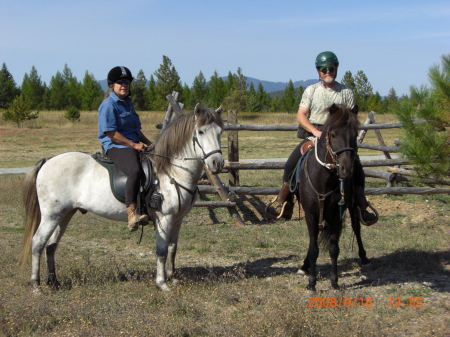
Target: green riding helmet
{"type": "Point", "coordinates": [326, 58]}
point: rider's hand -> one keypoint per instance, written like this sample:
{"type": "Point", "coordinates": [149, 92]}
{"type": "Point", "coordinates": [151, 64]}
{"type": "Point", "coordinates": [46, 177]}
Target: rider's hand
{"type": "Point", "coordinates": [150, 147]}
{"type": "Point", "coordinates": [139, 146]}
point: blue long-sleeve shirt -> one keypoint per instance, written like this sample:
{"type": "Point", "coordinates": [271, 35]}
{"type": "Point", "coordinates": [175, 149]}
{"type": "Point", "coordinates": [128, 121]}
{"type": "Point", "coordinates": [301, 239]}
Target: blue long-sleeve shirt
{"type": "Point", "coordinates": [115, 114]}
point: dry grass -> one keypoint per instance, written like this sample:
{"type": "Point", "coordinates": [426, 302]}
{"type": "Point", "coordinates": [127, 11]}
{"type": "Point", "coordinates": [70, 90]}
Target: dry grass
{"type": "Point", "coordinates": [236, 281]}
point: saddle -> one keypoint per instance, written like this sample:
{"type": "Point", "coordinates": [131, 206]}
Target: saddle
{"type": "Point", "coordinates": [118, 180]}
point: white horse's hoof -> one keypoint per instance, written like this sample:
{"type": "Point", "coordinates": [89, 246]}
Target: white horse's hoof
{"type": "Point", "coordinates": [176, 281]}
{"type": "Point", "coordinates": [301, 272]}
{"type": "Point", "coordinates": [36, 290]}
{"type": "Point", "coordinates": [163, 286]}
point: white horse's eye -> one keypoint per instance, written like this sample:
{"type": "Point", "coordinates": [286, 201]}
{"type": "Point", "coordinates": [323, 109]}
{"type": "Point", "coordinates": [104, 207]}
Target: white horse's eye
{"type": "Point", "coordinates": [200, 132]}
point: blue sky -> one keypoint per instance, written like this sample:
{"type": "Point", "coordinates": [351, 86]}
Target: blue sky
{"type": "Point", "coordinates": [393, 42]}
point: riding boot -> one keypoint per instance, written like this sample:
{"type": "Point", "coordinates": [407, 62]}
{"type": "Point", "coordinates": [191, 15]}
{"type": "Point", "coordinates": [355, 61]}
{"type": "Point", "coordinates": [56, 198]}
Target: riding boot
{"type": "Point", "coordinates": [366, 217]}
{"type": "Point", "coordinates": [282, 206]}
{"type": "Point", "coordinates": [134, 219]}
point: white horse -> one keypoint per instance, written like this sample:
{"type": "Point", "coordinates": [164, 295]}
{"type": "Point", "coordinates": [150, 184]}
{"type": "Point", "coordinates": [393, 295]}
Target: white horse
{"type": "Point", "coordinates": [57, 187]}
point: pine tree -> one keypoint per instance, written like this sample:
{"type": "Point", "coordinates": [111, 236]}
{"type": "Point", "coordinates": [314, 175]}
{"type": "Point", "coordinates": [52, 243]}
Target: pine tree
{"type": "Point", "coordinates": [390, 103]}
{"type": "Point", "coordinates": [19, 111]}
{"type": "Point", "coordinates": [363, 90]}
{"type": "Point", "coordinates": [237, 94]}
{"type": "Point", "coordinates": [8, 88]}
{"type": "Point", "coordinates": [216, 90]}
{"type": "Point", "coordinates": [167, 81]}
{"type": "Point", "coordinates": [425, 117]}
{"type": "Point", "coordinates": [374, 103]}
{"type": "Point", "coordinates": [57, 93]}
{"type": "Point", "coordinates": [91, 93]}
{"type": "Point", "coordinates": [199, 89]}
{"type": "Point", "coordinates": [254, 105]}
{"type": "Point", "coordinates": [139, 91]}
{"type": "Point", "coordinates": [189, 103]}
{"type": "Point", "coordinates": [73, 94]}
{"type": "Point", "coordinates": [299, 95]}
{"type": "Point", "coordinates": [151, 94]}
{"type": "Point", "coordinates": [348, 80]}
{"type": "Point", "coordinates": [33, 89]}
{"type": "Point", "coordinates": [288, 98]}
{"type": "Point", "coordinates": [263, 98]}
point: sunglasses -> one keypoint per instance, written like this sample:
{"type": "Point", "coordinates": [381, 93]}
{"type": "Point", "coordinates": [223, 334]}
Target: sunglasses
{"type": "Point", "coordinates": [327, 69]}
{"type": "Point", "coordinates": [123, 81]}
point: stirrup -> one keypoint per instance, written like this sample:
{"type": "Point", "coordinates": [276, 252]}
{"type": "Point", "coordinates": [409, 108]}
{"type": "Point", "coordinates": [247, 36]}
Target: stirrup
{"type": "Point", "coordinates": [282, 205]}
{"type": "Point", "coordinates": [369, 223]}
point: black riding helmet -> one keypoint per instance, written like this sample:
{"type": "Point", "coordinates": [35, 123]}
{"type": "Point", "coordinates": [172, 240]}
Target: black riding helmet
{"type": "Point", "coordinates": [118, 73]}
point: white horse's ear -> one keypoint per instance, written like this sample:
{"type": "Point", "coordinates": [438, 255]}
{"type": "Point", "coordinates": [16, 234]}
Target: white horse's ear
{"type": "Point", "coordinates": [219, 110]}
{"type": "Point", "coordinates": [196, 110]}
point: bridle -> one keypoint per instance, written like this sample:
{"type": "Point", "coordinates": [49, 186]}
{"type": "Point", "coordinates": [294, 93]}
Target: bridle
{"type": "Point", "coordinates": [330, 152]}
{"type": "Point", "coordinates": [334, 154]}
{"type": "Point", "coordinates": [179, 186]}
{"type": "Point", "coordinates": [205, 155]}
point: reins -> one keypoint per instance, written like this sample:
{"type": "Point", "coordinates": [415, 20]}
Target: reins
{"type": "Point", "coordinates": [179, 186]}
{"type": "Point", "coordinates": [330, 166]}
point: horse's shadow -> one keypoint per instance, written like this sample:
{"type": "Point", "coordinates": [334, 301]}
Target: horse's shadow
{"type": "Point", "coordinates": [406, 266]}
{"type": "Point", "coordinates": [262, 268]}
{"type": "Point", "coordinates": [430, 269]}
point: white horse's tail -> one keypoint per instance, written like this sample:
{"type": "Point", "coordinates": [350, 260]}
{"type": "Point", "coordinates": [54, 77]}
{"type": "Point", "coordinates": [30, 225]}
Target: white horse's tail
{"type": "Point", "coordinates": [32, 211]}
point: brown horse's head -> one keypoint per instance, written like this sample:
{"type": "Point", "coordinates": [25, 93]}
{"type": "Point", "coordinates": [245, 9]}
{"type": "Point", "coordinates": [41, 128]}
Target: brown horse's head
{"type": "Point", "coordinates": [341, 131]}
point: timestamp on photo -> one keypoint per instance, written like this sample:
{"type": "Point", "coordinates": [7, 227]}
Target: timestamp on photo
{"type": "Point", "coordinates": [368, 302]}
{"type": "Point", "coordinates": [412, 302]}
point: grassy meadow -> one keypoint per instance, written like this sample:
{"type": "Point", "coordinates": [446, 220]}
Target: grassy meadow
{"type": "Point", "coordinates": [235, 281]}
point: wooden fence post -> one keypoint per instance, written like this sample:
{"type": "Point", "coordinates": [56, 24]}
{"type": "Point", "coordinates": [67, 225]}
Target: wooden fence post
{"type": "Point", "coordinates": [225, 195]}
{"type": "Point", "coordinates": [233, 149]}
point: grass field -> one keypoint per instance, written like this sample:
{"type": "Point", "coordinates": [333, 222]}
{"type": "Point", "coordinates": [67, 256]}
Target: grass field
{"type": "Point", "coordinates": [235, 281]}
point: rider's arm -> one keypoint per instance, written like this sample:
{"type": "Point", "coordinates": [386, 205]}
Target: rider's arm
{"type": "Point", "coordinates": [118, 138]}
{"type": "Point", "coordinates": [302, 118]}
{"type": "Point", "coordinates": [144, 139]}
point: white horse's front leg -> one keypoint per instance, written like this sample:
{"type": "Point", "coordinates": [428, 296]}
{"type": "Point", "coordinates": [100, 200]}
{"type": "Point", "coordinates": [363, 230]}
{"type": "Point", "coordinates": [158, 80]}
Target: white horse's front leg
{"type": "Point", "coordinates": [170, 263]}
{"type": "Point", "coordinates": [162, 247]}
{"type": "Point", "coordinates": [161, 272]}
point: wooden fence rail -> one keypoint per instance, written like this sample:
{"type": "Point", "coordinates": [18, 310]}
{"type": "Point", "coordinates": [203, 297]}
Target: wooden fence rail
{"type": "Point", "coordinates": [229, 193]}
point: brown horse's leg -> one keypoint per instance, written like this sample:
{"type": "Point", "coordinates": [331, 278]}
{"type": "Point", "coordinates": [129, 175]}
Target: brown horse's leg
{"type": "Point", "coordinates": [313, 253]}
{"type": "Point", "coordinates": [334, 254]}
{"type": "Point", "coordinates": [356, 226]}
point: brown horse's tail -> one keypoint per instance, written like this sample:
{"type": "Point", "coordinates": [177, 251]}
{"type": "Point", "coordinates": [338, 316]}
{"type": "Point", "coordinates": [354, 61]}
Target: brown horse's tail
{"type": "Point", "coordinates": [32, 211]}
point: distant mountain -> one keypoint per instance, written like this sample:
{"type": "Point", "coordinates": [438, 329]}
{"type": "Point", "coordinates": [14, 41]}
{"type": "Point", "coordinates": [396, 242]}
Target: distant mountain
{"type": "Point", "coordinates": [278, 86]}
{"type": "Point", "coordinates": [104, 85]}
{"type": "Point", "coordinates": [269, 87]}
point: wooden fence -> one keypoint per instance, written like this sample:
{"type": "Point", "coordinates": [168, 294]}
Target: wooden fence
{"type": "Point", "coordinates": [230, 193]}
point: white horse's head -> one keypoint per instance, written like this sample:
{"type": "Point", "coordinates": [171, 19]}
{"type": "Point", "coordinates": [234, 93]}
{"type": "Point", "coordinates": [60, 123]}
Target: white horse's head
{"type": "Point", "coordinates": [207, 131]}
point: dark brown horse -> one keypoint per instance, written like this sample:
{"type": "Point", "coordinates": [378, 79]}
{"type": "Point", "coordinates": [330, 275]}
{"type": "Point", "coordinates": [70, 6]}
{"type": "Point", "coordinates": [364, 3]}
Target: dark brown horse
{"type": "Point", "coordinates": [325, 190]}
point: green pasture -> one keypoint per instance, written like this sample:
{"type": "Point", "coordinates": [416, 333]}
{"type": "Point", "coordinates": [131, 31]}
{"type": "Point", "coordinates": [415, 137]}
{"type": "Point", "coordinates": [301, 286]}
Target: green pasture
{"type": "Point", "coordinates": [235, 281]}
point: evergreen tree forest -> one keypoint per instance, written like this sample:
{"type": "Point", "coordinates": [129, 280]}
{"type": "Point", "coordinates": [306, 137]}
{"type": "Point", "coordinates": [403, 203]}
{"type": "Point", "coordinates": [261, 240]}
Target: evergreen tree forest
{"type": "Point", "coordinates": [65, 91]}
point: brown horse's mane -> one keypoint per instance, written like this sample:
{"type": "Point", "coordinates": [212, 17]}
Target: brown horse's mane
{"type": "Point", "coordinates": [342, 118]}
{"type": "Point", "coordinates": [178, 132]}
